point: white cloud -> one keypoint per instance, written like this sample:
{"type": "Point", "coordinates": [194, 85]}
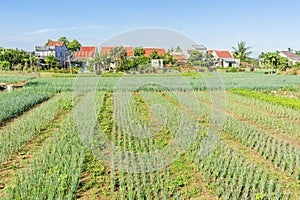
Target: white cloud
{"type": "Point", "coordinates": [41, 31]}
{"type": "Point", "coordinates": [47, 30]}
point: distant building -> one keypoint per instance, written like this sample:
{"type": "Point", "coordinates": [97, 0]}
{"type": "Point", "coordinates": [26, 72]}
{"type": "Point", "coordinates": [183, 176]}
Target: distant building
{"type": "Point", "coordinates": [83, 56]}
{"type": "Point", "coordinates": [57, 49]}
{"type": "Point", "coordinates": [160, 51]}
{"type": "Point", "coordinates": [157, 63]}
{"type": "Point", "coordinates": [200, 48]}
{"type": "Point", "coordinates": [180, 58]}
{"type": "Point", "coordinates": [129, 50]}
{"type": "Point", "coordinates": [292, 57]}
{"type": "Point", "coordinates": [224, 58]}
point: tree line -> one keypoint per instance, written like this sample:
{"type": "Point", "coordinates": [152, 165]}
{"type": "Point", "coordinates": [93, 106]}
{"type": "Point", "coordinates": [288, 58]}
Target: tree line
{"type": "Point", "coordinates": [120, 61]}
{"type": "Point", "coordinates": [16, 59]}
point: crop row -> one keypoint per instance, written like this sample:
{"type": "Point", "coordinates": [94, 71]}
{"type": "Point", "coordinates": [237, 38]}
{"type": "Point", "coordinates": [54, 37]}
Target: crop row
{"type": "Point", "coordinates": [277, 151]}
{"type": "Point", "coordinates": [226, 172]}
{"type": "Point", "coordinates": [170, 82]}
{"type": "Point", "coordinates": [275, 109]}
{"type": "Point", "coordinates": [17, 102]}
{"type": "Point", "coordinates": [24, 128]}
{"type": "Point", "coordinates": [54, 172]}
{"type": "Point", "coordinates": [284, 101]}
{"type": "Point", "coordinates": [14, 79]}
{"type": "Point", "coordinates": [267, 120]}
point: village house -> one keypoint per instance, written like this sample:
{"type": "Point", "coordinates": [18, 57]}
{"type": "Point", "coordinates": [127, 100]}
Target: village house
{"type": "Point", "coordinates": [57, 49]}
{"type": "Point", "coordinates": [180, 58]}
{"type": "Point", "coordinates": [224, 58]}
{"type": "Point", "coordinates": [83, 56]}
{"type": "Point", "coordinates": [155, 63]}
{"type": "Point", "coordinates": [129, 50]}
{"type": "Point", "coordinates": [201, 48]}
{"type": "Point", "coordinates": [148, 51]}
{"type": "Point", "coordinates": [292, 57]}
{"type": "Point", "coordinates": [108, 49]}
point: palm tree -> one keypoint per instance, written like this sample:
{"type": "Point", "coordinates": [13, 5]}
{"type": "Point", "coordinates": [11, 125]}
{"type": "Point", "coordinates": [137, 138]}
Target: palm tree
{"type": "Point", "coordinates": [241, 52]}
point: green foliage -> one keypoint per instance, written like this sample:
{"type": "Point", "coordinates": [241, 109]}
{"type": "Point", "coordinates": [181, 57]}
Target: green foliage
{"type": "Point", "coordinates": [139, 51]}
{"type": "Point", "coordinates": [178, 49]}
{"type": "Point", "coordinates": [15, 79]}
{"type": "Point", "coordinates": [284, 101]}
{"type": "Point", "coordinates": [102, 61]}
{"type": "Point", "coordinates": [241, 52]}
{"type": "Point", "coordinates": [24, 128]}
{"type": "Point", "coordinates": [232, 69]}
{"type": "Point", "coordinates": [118, 54]}
{"type": "Point", "coordinates": [141, 61]}
{"type": "Point", "coordinates": [57, 176]}
{"type": "Point", "coordinates": [112, 74]}
{"type": "Point", "coordinates": [154, 55]}
{"type": "Point", "coordinates": [296, 65]}
{"type": "Point", "coordinates": [128, 64]}
{"type": "Point", "coordinates": [4, 65]}
{"type": "Point", "coordinates": [52, 61]}
{"type": "Point", "coordinates": [12, 57]}
{"type": "Point", "coordinates": [197, 58]}
{"type": "Point", "coordinates": [169, 59]}
{"type": "Point", "coordinates": [274, 59]}
{"type": "Point", "coordinates": [73, 45]}
{"type": "Point", "coordinates": [193, 74]}
{"type": "Point", "coordinates": [17, 102]}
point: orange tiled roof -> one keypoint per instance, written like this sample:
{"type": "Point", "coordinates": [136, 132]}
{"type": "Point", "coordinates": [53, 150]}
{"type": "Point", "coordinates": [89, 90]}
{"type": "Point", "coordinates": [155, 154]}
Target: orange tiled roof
{"type": "Point", "coordinates": [86, 52]}
{"type": "Point", "coordinates": [88, 48]}
{"type": "Point", "coordinates": [179, 57]}
{"type": "Point", "coordinates": [129, 50]}
{"type": "Point", "coordinates": [221, 54]}
{"type": "Point", "coordinates": [148, 51]}
{"type": "Point", "coordinates": [54, 43]}
{"type": "Point", "coordinates": [83, 54]}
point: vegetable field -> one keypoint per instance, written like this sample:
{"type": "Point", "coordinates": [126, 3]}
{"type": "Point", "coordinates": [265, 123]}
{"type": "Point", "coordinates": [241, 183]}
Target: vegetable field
{"type": "Point", "coordinates": [151, 137]}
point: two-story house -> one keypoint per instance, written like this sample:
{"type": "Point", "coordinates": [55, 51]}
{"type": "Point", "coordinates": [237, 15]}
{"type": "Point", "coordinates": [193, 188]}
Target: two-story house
{"type": "Point", "coordinates": [57, 49]}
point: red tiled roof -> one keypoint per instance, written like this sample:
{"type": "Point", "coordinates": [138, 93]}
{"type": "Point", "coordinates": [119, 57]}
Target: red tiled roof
{"type": "Point", "coordinates": [148, 51]}
{"type": "Point", "coordinates": [106, 49]}
{"type": "Point", "coordinates": [83, 54]}
{"type": "Point", "coordinates": [54, 43]}
{"type": "Point", "coordinates": [86, 52]}
{"type": "Point", "coordinates": [290, 55]}
{"type": "Point", "coordinates": [179, 57]}
{"type": "Point", "coordinates": [223, 54]}
{"type": "Point", "coordinates": [220, 54]}
{"type": "Point", "coordinates": [129, 50]}
{"type": "Point", "coordinates": [88, 48]}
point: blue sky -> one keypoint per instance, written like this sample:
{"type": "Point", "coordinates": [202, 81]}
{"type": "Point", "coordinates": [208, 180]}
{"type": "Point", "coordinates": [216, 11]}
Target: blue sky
{"type": "Point", "coordinates": [265, 25]}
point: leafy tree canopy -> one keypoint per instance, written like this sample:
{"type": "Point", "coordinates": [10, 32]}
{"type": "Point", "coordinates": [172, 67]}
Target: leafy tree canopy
{"type": "Point", "coordinates": [241, 52]}
{"type": "Point", "coordinates": [139, 51]}
{"type": "Point", "coordinates": [154, 55]}
{"type": "Point", "coordinates": [274, 59]}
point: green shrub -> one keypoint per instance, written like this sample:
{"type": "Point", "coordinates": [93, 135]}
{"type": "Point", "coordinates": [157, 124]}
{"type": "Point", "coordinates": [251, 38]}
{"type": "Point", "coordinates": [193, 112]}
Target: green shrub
{"type": "Point", "coordinates": [5, 65]}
